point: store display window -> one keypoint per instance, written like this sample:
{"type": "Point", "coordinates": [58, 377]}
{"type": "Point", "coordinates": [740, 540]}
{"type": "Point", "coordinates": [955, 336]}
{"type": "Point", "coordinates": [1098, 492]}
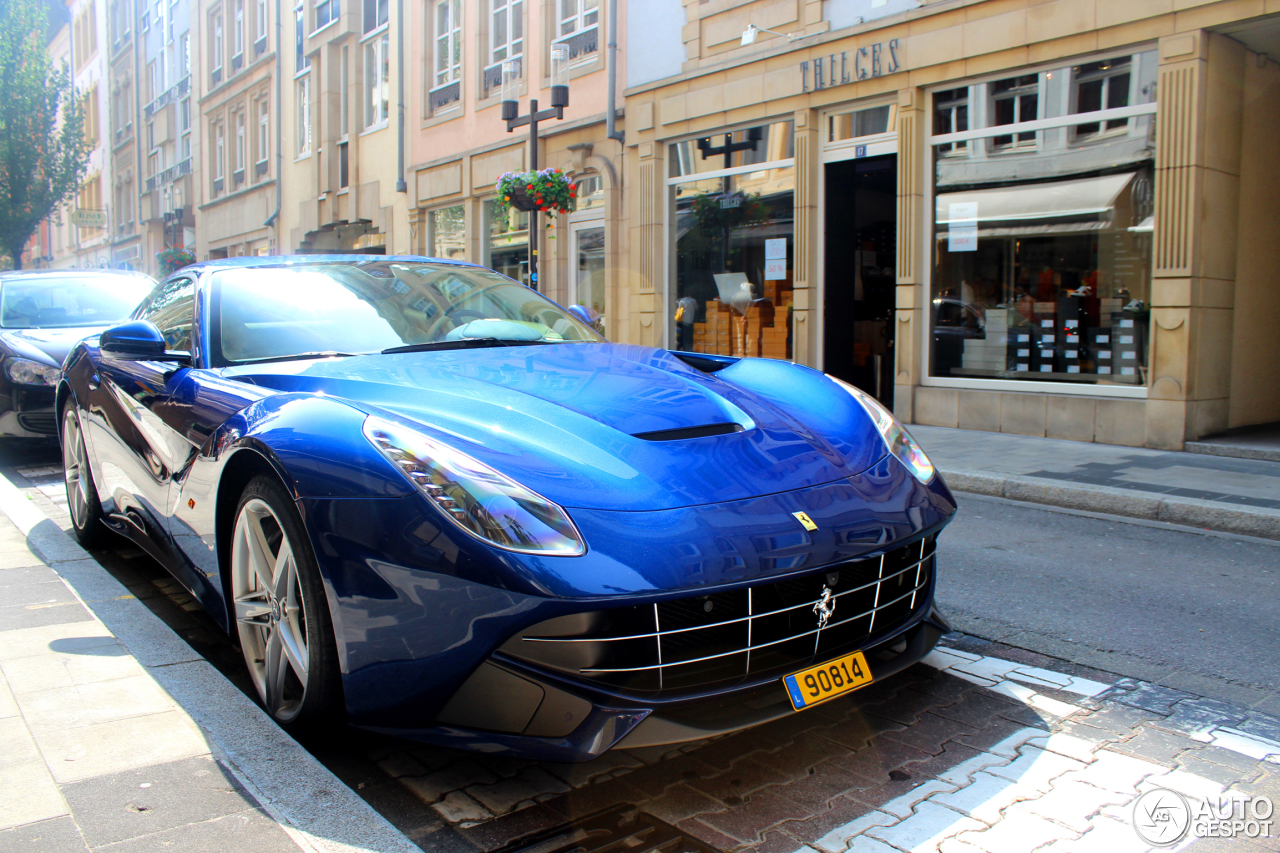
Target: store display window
{"type": "Point", "coordinates": [732, 197]}
{"type": "Point", "coordinates": [447, 230]}
{"type": "Point", "coordinates": [1043, 222]}
{"type": "Point", "coordinates": [506, 242]}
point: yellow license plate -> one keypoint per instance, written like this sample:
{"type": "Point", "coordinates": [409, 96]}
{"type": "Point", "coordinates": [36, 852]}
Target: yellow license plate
{"type": "Point", "coordinates": [819, 683]}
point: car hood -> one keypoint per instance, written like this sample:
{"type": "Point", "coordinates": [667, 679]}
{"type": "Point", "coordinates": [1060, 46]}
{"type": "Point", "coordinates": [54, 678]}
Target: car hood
{"type": "Point", "coordinates": [46, 345]}
{"type": "Point", "coordinates": [575, 422]}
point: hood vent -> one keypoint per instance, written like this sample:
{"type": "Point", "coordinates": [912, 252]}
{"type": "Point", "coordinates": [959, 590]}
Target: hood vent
{"type": "Point", "coordinates": [689, 432]}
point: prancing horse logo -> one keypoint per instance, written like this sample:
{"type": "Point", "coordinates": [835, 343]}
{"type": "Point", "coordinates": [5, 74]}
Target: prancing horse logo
{"type": "Point", "coordinates": [825, 607]}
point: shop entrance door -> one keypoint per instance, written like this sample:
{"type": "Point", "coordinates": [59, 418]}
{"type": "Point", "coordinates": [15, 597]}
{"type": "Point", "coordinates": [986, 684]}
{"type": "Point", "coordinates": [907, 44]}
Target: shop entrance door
{"type": "Point", "coordinates": [859, 276]}
{"type": "Point", "coordinates": [587, 276]}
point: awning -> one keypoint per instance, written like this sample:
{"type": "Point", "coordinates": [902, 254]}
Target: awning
{"type": "Point", "coordinates": [1034, 203]}
{"type": "Point", "coordinates": [1146, 226]}
{"type": "Point", "coordinates": [1034, 230]}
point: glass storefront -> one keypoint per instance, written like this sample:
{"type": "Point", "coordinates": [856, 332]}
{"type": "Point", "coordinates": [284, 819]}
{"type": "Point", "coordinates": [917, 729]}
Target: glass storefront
{"type": "Point", "coordinates": [734, 242]}
{"type": "Point", "coordinates": [447, 233]}
{"type": "Point", "coordinates": [506, 242]}
{"type": "Point", "coordinates": [1042, 236]}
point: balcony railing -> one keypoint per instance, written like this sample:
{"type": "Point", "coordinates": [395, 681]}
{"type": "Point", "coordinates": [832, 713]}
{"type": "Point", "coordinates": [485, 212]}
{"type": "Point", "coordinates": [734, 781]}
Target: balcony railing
{"type": "Point", "coordinates": [442, 96]}
{"type": "Point", "coordinates": [168, 96]}
{"type": "Point", "coordinates": [582, 43]}
{"type": "Point", "coordinates": [492, 78]}
{"type": "Point", "coordinates": [169, 175]}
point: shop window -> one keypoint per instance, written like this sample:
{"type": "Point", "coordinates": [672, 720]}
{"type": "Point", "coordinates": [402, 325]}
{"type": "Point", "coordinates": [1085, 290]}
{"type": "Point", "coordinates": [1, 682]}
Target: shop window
{"type": "Point", "coordinates": [951, 115]}
{"type": "Point", "coordinates": [447, 233]}
{"type": "Point", "coordinates": [1101, 86]}
{"type": "Point", "coordinates": [590, 192]}
{"type": "Point", "coordinates": [734, 242]}
{"type": "Point", "coordinates": [859, 123]}
{"type": "Point", "coordinates": [1041, 264]}
{"type": "Point", "coordinates": [506, 244]}
{"type": "Point", "coordinates": [1015, 100]}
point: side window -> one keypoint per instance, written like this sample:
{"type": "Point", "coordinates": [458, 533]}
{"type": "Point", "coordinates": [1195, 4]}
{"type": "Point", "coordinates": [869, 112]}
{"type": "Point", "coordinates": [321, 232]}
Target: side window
{"type": "Point", "coordinates": [172, 307]}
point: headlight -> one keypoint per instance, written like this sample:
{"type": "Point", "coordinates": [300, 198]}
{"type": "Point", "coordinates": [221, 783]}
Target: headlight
{"type": "Point", "coordinates": [895, 435]}
{"type": "Point", "coordinates": [484, 503]}
{"type": "Point", "coordinates": [27, 372]}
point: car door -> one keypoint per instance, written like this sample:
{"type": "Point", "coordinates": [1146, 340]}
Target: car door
{"type": "Point", "coordinates": [133, 412]}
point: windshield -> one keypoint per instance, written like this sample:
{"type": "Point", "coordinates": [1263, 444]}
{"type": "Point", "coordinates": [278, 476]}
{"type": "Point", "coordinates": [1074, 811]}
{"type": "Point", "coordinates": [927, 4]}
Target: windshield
{"type": "Point", "coordinates": [288, 311]}
{"type": "Point", "coordinates": [55, 301]}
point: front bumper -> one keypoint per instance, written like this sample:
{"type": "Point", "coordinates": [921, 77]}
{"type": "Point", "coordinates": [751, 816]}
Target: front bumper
{"type": "Point", "coordinates": [27, 412]}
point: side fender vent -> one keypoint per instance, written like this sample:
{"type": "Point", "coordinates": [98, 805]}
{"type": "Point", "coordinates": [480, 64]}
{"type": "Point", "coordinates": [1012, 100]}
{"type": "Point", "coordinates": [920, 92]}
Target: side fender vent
{"type": "Point", "coordinates": [689, 432]}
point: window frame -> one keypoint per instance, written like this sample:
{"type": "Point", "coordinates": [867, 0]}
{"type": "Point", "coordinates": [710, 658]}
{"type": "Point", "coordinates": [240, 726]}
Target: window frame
{"type": "Point", "coordinates": [378, 46]}
{"type": "Point", "coordinates": [454, 41]}
{"type": "Point", "coordinates": [302, 116]}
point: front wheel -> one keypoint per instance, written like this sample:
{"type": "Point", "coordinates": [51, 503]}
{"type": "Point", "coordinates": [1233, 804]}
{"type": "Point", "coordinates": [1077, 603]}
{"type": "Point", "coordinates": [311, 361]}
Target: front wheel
{"type": "Point", "coordinates": [82, 495]}
{"type": "Point", "coordinates": [281, 614]}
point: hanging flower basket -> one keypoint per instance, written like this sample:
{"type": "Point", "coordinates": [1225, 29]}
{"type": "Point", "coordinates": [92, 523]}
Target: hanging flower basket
{"type": "Point", "coordinates": [547, 190]}
{"type": "Point", "coordinates": [174, 258]}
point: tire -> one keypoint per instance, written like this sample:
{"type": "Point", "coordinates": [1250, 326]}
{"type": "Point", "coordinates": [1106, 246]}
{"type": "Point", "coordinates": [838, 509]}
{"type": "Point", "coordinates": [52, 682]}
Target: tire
{"type": "Point", "coordinates": [280, 610]}
{"type": "Point", "coordinates": [82, 494]}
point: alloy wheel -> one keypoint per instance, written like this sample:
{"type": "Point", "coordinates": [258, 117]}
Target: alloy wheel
{"type": "Point", "coordinates": [74, 467]}
{"type": "Point", "coordinates": [270, 611]}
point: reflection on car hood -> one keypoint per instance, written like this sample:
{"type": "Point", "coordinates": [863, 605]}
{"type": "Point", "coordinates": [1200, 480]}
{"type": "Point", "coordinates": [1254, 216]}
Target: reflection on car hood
{"type": "Point", "coordinates": [54, 344]}
{"type": "Point", "coordinates": [563, 419]}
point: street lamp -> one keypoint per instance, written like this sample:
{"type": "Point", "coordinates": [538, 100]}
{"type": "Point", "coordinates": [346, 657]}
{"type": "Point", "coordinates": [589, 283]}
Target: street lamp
{"type": "Point", "coordinates": [510, 110]}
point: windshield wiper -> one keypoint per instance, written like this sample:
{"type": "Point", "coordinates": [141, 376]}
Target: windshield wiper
{"type": "Point", "coordinates": [300, 356]}
{"type": "Point", "coordinates": [464, 343]}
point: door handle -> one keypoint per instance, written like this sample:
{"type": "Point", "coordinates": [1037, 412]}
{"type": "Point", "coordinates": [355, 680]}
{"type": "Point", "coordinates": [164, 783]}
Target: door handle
{"type": "Point", "coordinates": [94, 382]}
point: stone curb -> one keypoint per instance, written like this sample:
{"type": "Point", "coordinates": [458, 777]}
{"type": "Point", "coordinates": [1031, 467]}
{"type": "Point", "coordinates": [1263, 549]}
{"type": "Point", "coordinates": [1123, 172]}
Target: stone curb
{"type": "Point", "coordinates": [314, 807]}
{"type": "Point", "coordinates": [1245, 521]}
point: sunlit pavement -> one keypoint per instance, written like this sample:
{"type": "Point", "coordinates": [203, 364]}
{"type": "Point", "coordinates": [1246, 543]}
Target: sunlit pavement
{"type": "Point", "coordinates": [983, 747]}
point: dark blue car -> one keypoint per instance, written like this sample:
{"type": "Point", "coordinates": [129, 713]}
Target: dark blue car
{"type": "Point", "coordinates": [428, 499]}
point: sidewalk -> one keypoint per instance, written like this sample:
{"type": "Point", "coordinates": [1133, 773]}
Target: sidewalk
{"type": "Point", "coordinates": [115, 735]}
{"type": "Point", "coordinates": [1218, 493]}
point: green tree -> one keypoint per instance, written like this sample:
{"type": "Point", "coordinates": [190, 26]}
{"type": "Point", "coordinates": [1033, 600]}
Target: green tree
{"type": "Point", "coordinates": [43, 153]}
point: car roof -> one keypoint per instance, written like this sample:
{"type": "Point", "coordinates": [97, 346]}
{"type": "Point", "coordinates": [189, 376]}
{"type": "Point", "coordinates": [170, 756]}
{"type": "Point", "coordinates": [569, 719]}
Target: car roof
{"type": "Point", "coordinates": [279, 260]}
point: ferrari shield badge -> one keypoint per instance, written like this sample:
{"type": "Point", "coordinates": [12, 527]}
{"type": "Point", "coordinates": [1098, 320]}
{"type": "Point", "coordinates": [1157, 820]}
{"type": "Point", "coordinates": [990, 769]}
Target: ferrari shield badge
{"type": "Point", "coordinates": [804, 519]}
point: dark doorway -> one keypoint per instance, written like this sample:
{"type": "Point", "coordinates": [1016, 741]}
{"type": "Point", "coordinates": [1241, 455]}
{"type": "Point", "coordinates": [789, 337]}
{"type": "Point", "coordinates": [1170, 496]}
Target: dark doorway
{"type": "Point", "coordinates": [859, 272]}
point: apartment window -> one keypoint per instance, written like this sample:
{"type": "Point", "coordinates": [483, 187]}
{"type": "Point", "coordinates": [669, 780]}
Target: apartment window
{"type": "Point", "coordinates": [153, 82]}
{"type": "Point", "coordinates": [217, 48]}
{"type": "Point", "coordinates": [344, 97]}
{"type": "Point", "coordinates": [237, 36]}
{"type": "Point", "coordinates": [446, 77]}
{"type": "Point", "coordinates": [375, 14]}
{"type": "Point", "coordinates": [506, 30]}
{"type": "Point", "coordinates": [344, 173]}
{"type": "Point", "coordinates": [119, 22]}
{"type": "Point", "coordinates": [145, 23]}
{"type": "Point", "coordinates": [184, 115]}
{"type": "Point", "coordinates": [238, 175]}
{"type": "Point", "coordinates": [153, 163]}
{"type": "Point", "coordinates": [377, 79]}
{"type": "Point", "coordinates": [1015, 100]}
{"type": "Point", "coordinates": [184, 56]}
{"type": "Point", "coordinates": [951, 115]}
{"type": "Point", "coordinates": [303, 115]}
{"type": "Point", "coordinates": [301, 62]}
{"type": "Point", "coordinates": [85, 35]}
{"type": "Point", "coordinates": [260, 29]}
{"type": "Point", "coordinates": [264, 137]}
{"type": "Point", "coordinates": [91, 131]}
{"type": "Point", "coordinates": [578, 15]}
{"type": "Point", "coordinates": [1101, 86]}
{"type": "Point", "coordinates": [219, 158]}
{"type": "Point", "coordinates": [327, 12]}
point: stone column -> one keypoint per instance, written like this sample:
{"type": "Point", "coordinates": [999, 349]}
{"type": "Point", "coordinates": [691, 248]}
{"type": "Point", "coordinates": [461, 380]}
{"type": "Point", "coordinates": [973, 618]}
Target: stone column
{"type": "Point", "coordinates": [807, 308]}
{"type": "Point", "coordinates": [914, 159]}
{"type": "Point", "coordinates": [648, 293]}
{"type": "Point", "coordinates": [1196, 213]}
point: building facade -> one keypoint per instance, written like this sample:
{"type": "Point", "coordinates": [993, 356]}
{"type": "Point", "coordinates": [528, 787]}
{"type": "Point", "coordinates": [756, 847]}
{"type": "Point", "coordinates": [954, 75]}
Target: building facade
{"type": "Point", "coordinates": [1030, 217]}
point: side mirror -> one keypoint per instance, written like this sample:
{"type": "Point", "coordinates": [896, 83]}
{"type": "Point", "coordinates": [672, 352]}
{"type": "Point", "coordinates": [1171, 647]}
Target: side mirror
{"type": "Point", "coordinates": [138, 340]}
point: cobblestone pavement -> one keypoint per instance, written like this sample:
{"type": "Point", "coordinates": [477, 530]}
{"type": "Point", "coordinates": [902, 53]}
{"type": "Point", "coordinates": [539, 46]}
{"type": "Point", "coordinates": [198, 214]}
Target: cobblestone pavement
{"type": "Point", "coordinates": [984, 747]}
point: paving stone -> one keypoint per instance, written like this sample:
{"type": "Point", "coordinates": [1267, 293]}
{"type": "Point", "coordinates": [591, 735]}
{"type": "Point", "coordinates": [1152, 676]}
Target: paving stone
{"type": "Point", "coordinates": [681, 802]}
{"type": "Point", "coordinates": [748, 822]}
{"type": "Point", "coordinates": [961, 773]}
{"type": "Point", "coordinates": [502, 796]}
{"type": "Point", "coordinates": [1195, 764]}
{"type": "Point", "coordinates": [492, 834]}
{"type": "Point", "coordinates": [741, 779]}
{"type": "Point", "coordinates": [1017, 833]}
{"type": "Point", "coordinates": [875, 762]}
{"type": "Point", "coordinates": [1073, 804]}
{"type": "Point", "coordinates": [992, 668]}
{"type": "Point", "coordinates": [906, 706]}
{"type": "Point", "coordinates": [1002, 738]}
{"type": "Point", "coordinates": [980, 708]}
{"type": "Point", "coordinates": [859, 730]}
{"type": "Point", "coordinates": [1105, 835]}
{"type": "Point", "coordinates": [1121, 719]}
{"type": "Point", "coordinates": [965, 646]}
{"type": "Point", "coordinates": [654, 779]}
{"type": "Point", "coordinates": [402, 764]}
{"type": "Point", "coordinates": [1195, 717]}
{"type": "Point", "coordinates": [807, 751]}
{"type": "Point", "coordinates": [836, 839]}
{"type": "Point", "coordinates": [985, 797]}
{"type": "Point", "coordinates": [1082, 730]}
{"type": "Point", "coordinates": [774, 842]}
{"type": "Point", "coordinates": [1036, 675]}
{"type": "Point", "coordinates": [58, 835]}
{"type": "Point", "coordinates": [1224, 757]}
{"type": "Point", "coordinates": [1036, 768]}
{"type": "Point", "coordinates": [925, 829]}
{"type": "Point", "coordinates": [863, 844]}
{"type": "Point", "coordinates": [1188, 784]}
{"type": "Point", "coordinates": [1250, 745]}
{"type": "Point", "coordinates": [952, 756]}
{"type": "Point", "coordinates": [1149, 697]}
{"type": "Point", "coordinates": [457, 807]}
{"type": "Point", "coordinates": [248, 830]}
{"type": "Point", "coordinates": [904, 804]}
{"type": "Point", "coordinates": [937, 683]}
{"type": "Point", "coordinates": [930, 732]}
{"type": "Point", "coordinates": [1113, 771]}
{"type": "Point", "coordinates": [1156, 745]}
{"type": "Point", "coordinates": [460, 774]}
{"type": "Point", "coordinates": [1064, 744]}
{"type": "Point", "coordinates": [595, 797]}
{"type": "Point", "coordinates": [828, 782]}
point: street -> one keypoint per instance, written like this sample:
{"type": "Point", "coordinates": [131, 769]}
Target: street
{"type": "Point", "coordinates": [1053, 608]}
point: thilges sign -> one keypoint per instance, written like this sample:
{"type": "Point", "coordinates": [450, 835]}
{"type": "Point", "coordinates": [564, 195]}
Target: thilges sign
{"type": "Point", "coordinates": [850, 66]}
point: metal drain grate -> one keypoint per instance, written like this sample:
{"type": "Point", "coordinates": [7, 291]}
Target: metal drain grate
{"type": "Point", "coordinates": [622, 829]}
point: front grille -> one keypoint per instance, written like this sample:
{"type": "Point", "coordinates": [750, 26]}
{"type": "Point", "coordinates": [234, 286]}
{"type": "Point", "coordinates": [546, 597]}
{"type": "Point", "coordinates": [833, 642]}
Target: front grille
{"type": "Point", "coordinates": [727, 637]}
{"type": "Point", "coordinates": [41, 422]}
